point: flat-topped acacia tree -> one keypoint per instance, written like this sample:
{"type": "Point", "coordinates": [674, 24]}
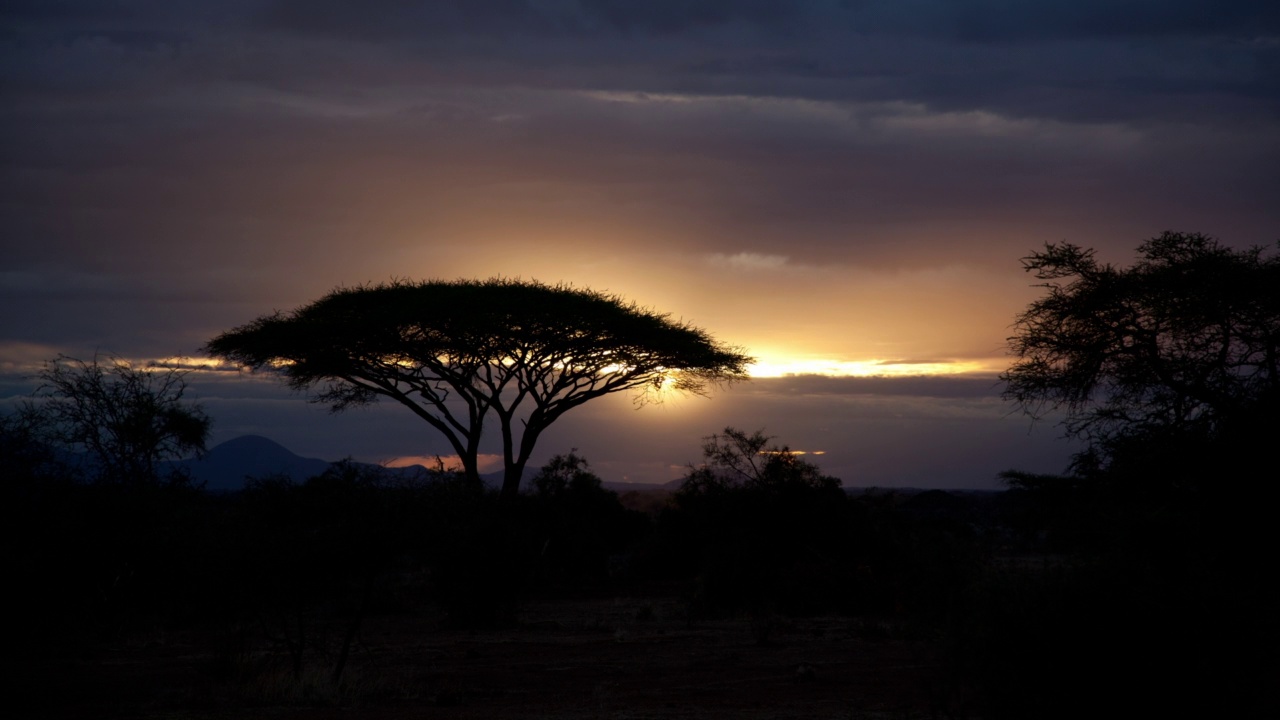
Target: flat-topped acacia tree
{"type": "Point", "coordinates": [454, 351]}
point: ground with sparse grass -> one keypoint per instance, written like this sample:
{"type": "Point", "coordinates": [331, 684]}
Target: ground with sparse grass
{"type": "Point", "coordinates": [566, 658]}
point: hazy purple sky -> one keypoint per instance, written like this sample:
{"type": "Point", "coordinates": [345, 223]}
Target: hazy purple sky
{"type": "Point", "coordinates": [840, 187]}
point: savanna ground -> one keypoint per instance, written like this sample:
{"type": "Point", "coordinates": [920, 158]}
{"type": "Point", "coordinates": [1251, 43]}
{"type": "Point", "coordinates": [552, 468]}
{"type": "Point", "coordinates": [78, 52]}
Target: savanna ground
{"type": "Point", "coordinates": [732, 603]}
{"type": "Point", "coordinates": [579, 657]}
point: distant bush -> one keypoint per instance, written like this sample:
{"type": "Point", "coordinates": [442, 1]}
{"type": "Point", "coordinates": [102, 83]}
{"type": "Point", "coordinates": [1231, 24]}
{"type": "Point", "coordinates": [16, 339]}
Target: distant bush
{"type": "Point", "coordinates": [576, 524]}
{"type": "Point", "coordinates": [757, 527]}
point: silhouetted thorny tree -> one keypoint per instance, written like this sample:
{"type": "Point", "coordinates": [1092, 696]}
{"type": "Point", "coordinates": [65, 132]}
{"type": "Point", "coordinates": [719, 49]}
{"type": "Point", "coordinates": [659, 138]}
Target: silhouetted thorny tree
{"type": "Point", "coordinates": [1183, 341]}
{"type": "Point", "coordinates": [740, 459]}
{"type": "Point", "coordinates": [127, 419]}
{"type": "Point", "coordinates": [452, 352]}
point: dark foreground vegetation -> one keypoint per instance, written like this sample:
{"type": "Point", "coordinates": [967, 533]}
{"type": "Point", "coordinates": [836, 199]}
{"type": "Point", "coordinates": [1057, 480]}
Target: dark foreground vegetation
{"type": "Point", "coordinates": [357, 590]}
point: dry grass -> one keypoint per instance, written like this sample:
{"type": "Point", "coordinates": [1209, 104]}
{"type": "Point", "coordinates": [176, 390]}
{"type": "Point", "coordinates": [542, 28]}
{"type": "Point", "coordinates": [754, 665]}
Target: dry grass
{"type": "Point", "coordinates": [583, 658]}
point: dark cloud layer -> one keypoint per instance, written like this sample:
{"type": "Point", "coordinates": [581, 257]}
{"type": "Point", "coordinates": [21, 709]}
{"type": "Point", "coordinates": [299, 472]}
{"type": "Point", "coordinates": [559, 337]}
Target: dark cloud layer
{"type": "Point", "coordinates": [1094, 60]}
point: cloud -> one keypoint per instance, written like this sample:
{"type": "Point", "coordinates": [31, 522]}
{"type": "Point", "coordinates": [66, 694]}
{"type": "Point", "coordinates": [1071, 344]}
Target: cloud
{"type": "Point", "coordinates": [977, 21]}
{"type": "Point", "coordinates": [748, 261]}
{"type": "Point", "coordinates": [1095, 61]}
{"type": "Point", "coordinates": [23, 359]}
{"type": "Point", "coordinates": [931, 386]}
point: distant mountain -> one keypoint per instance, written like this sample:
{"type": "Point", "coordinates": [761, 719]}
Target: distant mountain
{"type": "Point", "coordinates": [226, 466]}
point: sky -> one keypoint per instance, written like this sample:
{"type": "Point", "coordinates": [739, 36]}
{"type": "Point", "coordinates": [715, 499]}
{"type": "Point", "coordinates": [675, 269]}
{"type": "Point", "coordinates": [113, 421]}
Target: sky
{"type": "Point", "coordinates": [843, 188]}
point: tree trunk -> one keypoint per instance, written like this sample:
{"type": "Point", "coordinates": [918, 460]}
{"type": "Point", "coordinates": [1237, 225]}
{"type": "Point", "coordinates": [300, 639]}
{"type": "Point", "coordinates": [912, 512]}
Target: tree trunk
{"type": "Point", "coordinates": [511, 480]}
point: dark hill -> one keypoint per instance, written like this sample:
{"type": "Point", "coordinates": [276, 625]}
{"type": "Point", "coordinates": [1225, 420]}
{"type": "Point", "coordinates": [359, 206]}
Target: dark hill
{"type": "Point", "coordinates": [226, 466]}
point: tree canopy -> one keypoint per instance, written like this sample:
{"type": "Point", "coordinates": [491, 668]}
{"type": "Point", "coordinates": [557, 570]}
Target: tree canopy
{"type": "Point", "coordinates": [1181, 342]}
{"type": "Point", "coordinates": [455, 351]}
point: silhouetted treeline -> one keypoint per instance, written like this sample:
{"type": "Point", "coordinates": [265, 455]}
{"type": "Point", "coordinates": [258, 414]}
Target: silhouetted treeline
{"type": "Point", "coordinates": [98, 560]}
{"type": "Point", "coordinates": [1144, 585]}
{"type": "Point", "coordinates": [1044, 598]}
